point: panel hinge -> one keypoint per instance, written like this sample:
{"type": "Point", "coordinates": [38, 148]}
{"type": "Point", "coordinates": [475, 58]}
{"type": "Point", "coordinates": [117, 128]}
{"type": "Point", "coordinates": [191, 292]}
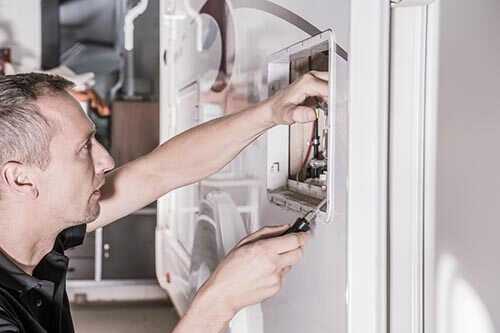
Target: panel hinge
{"type": "Point", "coordinates": [410, 3]}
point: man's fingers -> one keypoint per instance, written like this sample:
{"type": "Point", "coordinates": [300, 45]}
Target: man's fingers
{"type": "Point", "coordinates": [303, 114]}
{"type": "Point", "coordinates": [287, 242]}
{"type": "Point", "coordinates": [309, 86]}
{"type": "Point", "coordinates": [315, 87]}
{"type": "Point", "coordinates": [311, 102]}
{"type": "Point", "coordinates": [263, 233]}
{"type": "Point", "coordinates": [291, 257]}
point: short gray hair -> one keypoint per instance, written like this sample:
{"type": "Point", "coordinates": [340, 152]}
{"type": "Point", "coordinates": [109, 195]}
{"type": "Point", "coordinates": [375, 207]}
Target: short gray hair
{"type": "Point", "coordinates": [25, 134]}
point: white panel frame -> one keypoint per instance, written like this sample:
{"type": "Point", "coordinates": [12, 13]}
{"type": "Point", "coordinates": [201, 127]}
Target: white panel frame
{"type": "Point", "coordinates": [411, 161]}
{"type": "Point", "coordinates": [368, 153]}
{"type": "Point", "coordinates": [278, 75]}
{"type": "Point", "coordinates": [406, 160]}
{"type": "Point", "coordinates": [430, 163]}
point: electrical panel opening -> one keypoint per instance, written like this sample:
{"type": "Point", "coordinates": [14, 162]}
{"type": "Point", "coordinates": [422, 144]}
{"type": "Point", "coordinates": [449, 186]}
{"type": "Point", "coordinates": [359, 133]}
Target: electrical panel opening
{"type": "Point", "coordinates": [305, 161]}
{"type": "Point", "coordinates": [308, 143]}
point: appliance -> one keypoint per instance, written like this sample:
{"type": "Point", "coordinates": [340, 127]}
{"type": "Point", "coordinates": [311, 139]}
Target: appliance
{"type": "Point", "coordinates": [409, 161]}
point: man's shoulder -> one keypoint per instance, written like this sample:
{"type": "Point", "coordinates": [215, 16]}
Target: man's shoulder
{"type": "Point", "coordinates": [9, 320]}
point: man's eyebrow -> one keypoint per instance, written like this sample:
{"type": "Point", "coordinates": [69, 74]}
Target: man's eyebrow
{"type": "Point", "coordinates": [87, 138]}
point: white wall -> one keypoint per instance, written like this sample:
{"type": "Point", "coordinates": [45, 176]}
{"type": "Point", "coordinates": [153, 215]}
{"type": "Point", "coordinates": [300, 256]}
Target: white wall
{"type": "Point", "coordinates": [20, 29]}
{"type": "Point", "coordinates": [467, 243]}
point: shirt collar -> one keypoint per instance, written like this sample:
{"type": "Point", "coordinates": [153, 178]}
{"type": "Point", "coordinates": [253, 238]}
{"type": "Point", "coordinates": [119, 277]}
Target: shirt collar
{"type": "Point", "coordinates": [14, 278]}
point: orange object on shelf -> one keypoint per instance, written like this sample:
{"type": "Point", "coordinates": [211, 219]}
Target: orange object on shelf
{"type": "Point", "coordinates": [95, 100]}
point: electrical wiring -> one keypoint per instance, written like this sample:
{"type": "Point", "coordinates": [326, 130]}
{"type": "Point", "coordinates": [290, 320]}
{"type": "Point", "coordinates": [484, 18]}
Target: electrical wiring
{"type": "Point", "coordinates": [307, 153]}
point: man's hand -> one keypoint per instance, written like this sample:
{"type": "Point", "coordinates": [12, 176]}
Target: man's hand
{"type": "Point", "coordinates": [252, 272]}
{"type": "Point", "coordinates": [293, 103]}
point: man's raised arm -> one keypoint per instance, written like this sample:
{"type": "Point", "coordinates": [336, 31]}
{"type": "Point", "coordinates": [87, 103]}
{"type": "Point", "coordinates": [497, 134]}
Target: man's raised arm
{"type": "Point", "coordinates": [203, 150]}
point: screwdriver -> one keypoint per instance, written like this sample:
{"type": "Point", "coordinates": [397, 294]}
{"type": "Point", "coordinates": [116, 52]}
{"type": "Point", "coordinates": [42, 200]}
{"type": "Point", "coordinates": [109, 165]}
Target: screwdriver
{"type": "Point", "coordinates": [302, 223]}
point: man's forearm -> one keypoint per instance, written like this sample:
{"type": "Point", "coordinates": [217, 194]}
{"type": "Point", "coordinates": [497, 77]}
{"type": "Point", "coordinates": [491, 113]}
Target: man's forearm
{"type": "Point", "coordinates": [205, 149]}
{"type": "Point", "coordinates": [186, 158]}
{"type": "Point", "coordinates": [206, 314]}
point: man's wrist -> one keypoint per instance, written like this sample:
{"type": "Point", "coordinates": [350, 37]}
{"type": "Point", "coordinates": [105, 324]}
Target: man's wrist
{"type": "Point", "coordinates": [212, 301]}
{"type": "Point", "coordinates": [264, 114]}
{"type": "Point", "coordinates": [208, 313]}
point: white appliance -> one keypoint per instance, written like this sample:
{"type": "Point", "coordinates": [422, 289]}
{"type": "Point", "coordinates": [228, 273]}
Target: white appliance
{"type": "Point", "coordinates": [408, 240]}
{"type": "Point", "coordinates": [217, 60]}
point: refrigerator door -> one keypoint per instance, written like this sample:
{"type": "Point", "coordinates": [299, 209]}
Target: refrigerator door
{"type": "Point", "coordinates": [217, 47]}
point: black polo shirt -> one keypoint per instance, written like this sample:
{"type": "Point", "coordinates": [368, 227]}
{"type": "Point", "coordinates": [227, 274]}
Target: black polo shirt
{"type": "Point", "coordinates": [38, 303]}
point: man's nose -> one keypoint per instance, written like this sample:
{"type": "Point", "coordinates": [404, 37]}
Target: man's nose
{"type": "Point", "coordinates": [103, 160]}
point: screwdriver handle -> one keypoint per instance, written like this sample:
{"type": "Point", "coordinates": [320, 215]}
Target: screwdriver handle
{"type": "Point", "coordinates": [300, 225]}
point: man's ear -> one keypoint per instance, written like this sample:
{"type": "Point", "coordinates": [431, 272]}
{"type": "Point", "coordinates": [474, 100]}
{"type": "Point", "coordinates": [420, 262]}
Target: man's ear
{"type": "Point", "coordinates": [18, 180]}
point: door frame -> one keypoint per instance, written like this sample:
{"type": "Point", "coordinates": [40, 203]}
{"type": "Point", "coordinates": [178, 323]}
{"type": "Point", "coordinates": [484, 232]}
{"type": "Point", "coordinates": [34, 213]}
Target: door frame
{"type": "Point", "coordinates": [368, 167]}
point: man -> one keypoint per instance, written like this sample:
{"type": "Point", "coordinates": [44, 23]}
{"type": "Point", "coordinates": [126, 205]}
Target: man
{"type": "Point", "coordinates": [54, 187]}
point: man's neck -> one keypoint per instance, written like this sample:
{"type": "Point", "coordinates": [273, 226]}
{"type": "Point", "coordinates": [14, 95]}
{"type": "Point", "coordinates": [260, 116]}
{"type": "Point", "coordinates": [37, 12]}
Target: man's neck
{"type": "Point", "coordinates": [25, 238]}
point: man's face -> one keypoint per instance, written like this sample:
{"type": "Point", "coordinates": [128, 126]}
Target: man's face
{"type": "Point", "coordinates": [69, 187]}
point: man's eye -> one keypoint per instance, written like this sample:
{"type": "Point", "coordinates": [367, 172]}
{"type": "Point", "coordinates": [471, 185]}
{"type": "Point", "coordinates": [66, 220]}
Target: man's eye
{"type": "Point", "coordinates": [87, 146]}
